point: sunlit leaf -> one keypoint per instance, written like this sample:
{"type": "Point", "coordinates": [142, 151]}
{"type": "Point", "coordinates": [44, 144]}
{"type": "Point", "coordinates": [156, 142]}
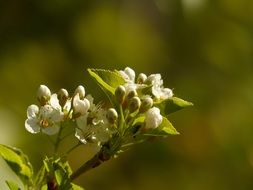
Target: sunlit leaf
{"type": "Point", "coordinates": [60, 171]}
{"type": "Point", "coordinates": [12, 185]}
{"type": "Point", "coordinates": [171, 105]}
{"type": "Point", "coordinates": [76, 187]}
{"type": "Point", "coordinates": [18, 162]}
{"type": "Point", "coordinates": [107, 80]}
{"type": "Point", "coordinates": [163, 130]}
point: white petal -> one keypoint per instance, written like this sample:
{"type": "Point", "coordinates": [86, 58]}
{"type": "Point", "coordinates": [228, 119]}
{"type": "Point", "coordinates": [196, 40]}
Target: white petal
{"type": "Point", "coordinates": [56, 116]}
{"type": "Point", "coordinates": [51, 130]}
{"type": "Point", "coordinates": [130, 73]}
{"type": "Point", "coordinates": [46, 111]}
{"type": "Point", "coordinates": [54, 102]}
{"type": "Point", "coordinates": [80, 106]}
{"type": "Point", "coordinates": [166, 93]}
{"type": "Point", "coordinates": [32, 126]}
{"type": "Point", "coordinates": [153, 118]}
{"type": "Point", "coordinates": [32, 111]}
{"type": "Point", "coordinates": [124, 75]}
{"type": "Point", "coordinates": [67, 106]}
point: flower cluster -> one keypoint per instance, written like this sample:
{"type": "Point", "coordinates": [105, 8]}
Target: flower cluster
{"type": "Point", "coordinates": [140, 94]}
{"type": "Point", "coordinates": [153, 80]}
{"type": "Point", "coordinates": [90, 122]}
{"type": "Point", "coordinates": [138, 110]}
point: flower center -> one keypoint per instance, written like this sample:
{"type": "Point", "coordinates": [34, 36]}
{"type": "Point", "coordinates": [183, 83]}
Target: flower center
{"type": "Point", "coordinates": [44, 123]}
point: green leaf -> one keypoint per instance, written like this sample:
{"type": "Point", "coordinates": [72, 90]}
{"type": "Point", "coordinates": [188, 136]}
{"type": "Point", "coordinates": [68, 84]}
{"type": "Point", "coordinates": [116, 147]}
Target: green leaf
{"type": "Point", "coordinates": [166, 128]}
{"type": "Point", "coordinates": [12, 185]}
{"type": "Point", "coordinates": [60, 171]}
{"type": "Point", "coordinates": [139, 120]}
{"type": "Point", "coordinates": [40, 177]}
{"type": "Point", "coordinates": [171, 105]}
{"type": "Point", "coordinates": [76, 187]}
{"type": "Point", "coordinates": [18, 162]}
{"type": "Point", "coordinates": [107, 80]}
{"type": "Point", "coordinates": [44, 187]}
{"type": "Point", "coordinates": [163, 130]}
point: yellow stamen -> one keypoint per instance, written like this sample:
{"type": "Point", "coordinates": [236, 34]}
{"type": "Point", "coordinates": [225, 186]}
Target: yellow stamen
{"type": "Point", "coordinates": [44, 123]}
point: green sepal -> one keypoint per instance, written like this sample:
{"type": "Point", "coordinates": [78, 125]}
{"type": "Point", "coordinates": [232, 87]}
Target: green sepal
{"type": "Point", "coordinates": [171, 105]}
{"type": "Point", "coordinates": [59, 171]}
{"type": "Point", "coordinates": [40, 177]}
{"type": "Point", "coordinates": [12, 185]}
{"type": "Point", "coordinates": [18, 162]}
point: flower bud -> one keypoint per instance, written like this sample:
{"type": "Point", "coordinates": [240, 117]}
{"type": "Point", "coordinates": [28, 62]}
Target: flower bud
{"type": "Point", "coordinates": [80, 107]}
{"type": "Point", "coordinates": [81, 91]}
{"type": "Point", "coordinates": [146, 104]}
{"type": "Point", "coordinates": [43, 94]}
{"type": "Point", "coordinates": [131, 94]}
{"type": "Point", "coordinates": [141, 78]}
{"type": "Point", "coordinates": [112, 115]}
{"type": "Point", "coordinates": [153, 118]}
{"type": "Point", "coordinates": [134, 104]}
{"type": "Point", "coordinates": [62, 96]}
{"type": "Point", "coordinates": [120, 93]}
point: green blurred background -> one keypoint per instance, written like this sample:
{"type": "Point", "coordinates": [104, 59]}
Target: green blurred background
{"type": "Point", "coordinates": [202, 48]}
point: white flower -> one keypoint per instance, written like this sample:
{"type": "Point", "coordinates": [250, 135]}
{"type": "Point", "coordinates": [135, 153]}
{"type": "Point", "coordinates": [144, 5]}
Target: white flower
{"type": "Point", "coordinates": [54, 102]}
{"type": "Point", "coordinates": [153, 118]}
{"type": "Point", "coordinates": [80, 106]}
{"type": "Point", "coordinates": [128, 74]}
{"type": "Point", "coordinates": [46, 119]}
{"type": "Point", "coordinates": [93, 127]}
{"type": "Point", "coordinates": [157, 87]}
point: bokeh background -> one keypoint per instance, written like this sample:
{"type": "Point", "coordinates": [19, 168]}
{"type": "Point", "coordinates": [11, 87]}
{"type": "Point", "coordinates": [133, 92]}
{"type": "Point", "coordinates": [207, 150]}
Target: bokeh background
{"type": "Point", "coordinates": [202, 48]}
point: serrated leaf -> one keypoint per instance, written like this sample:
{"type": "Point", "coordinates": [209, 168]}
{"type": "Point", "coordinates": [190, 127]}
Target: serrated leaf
{"type": "Point", "coordinates": [12, 185]}
{"type": "Point", "coordinates": [107, 80]}
{"type": "Point", "coordinates": [171, 105]}
{"type": "Point", "coordinates": [18, 162]}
